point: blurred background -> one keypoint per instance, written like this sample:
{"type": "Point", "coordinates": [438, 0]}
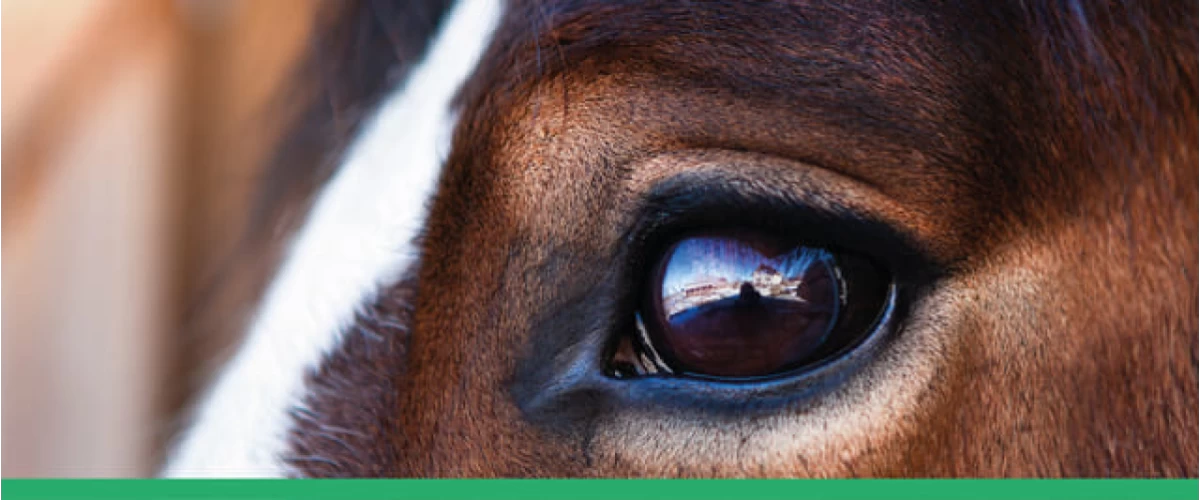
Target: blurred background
{"type": "Point", "coordinates": [133, 136]}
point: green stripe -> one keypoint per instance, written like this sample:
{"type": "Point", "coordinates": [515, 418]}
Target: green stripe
{"type": "Point", "coordinates": [1026, 489]}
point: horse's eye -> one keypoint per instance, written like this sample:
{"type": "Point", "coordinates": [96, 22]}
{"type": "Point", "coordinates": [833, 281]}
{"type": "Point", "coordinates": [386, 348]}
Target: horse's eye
{"type": "Point", "coordinates": [743, 305]}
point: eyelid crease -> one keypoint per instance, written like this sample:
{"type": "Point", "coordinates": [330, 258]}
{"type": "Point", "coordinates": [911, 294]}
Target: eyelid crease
{"type": "Point", "coordinates": [678, 180]}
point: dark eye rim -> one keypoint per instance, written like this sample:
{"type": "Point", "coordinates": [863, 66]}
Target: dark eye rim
{"type": "Point", "coordinates": [704, 202]}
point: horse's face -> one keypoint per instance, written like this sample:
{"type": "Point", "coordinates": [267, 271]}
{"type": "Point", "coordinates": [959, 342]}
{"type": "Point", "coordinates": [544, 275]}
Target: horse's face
{"type": "Point", "coordinates": [1004, 198]}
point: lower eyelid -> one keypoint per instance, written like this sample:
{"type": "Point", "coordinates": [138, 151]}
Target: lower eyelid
{"type": "Point", "coordinates": [767, 392]}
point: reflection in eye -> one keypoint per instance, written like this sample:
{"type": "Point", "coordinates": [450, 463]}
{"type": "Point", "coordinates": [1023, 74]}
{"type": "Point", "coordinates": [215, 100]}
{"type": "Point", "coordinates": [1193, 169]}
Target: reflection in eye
{"type": "Point", "coordinates": [738, 307]}
{"type": "Point", "coordinates": [742, 305]}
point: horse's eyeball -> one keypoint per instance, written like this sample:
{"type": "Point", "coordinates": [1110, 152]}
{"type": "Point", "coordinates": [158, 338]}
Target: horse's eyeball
{"type": "Point", "coordinates": [746, 306]}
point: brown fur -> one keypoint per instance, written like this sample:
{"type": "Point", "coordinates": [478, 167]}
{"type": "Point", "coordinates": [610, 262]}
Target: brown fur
{"type": "Point", "coordinates": [1041, 159]}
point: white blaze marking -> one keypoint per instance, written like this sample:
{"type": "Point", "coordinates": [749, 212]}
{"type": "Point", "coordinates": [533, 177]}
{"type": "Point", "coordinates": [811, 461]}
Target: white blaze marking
{"type": "Point", "coordinates": [357, 239]}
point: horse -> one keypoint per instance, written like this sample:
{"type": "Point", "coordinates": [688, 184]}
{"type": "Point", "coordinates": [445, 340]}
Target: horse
{"type": "Point", "coordinates": [581, 238]}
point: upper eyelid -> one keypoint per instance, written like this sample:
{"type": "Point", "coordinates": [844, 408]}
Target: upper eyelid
{"type": "Point", "coordinates": [760, 174]}
{"type": "Point", "coordinates": [705, 203]}
{"type": "Point", "coordinates": [660, 185]}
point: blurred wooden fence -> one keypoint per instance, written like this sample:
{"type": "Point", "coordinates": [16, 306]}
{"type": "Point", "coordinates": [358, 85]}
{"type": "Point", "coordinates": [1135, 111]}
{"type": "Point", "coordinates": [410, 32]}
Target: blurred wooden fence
{"type": "Point", "coordinates": [132, 135]}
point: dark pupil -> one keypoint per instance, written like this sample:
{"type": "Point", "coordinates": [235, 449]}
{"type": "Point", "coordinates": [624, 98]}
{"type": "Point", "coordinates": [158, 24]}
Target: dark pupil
{"type": "Point", "coordinates": [740, 307]}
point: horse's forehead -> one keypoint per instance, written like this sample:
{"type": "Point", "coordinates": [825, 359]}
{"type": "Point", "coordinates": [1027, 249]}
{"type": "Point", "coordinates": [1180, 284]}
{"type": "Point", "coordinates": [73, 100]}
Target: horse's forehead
{"type": "Point", "coordinates": [912, 100]}
{"type": "Point", "coordinates": [971, 112]}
